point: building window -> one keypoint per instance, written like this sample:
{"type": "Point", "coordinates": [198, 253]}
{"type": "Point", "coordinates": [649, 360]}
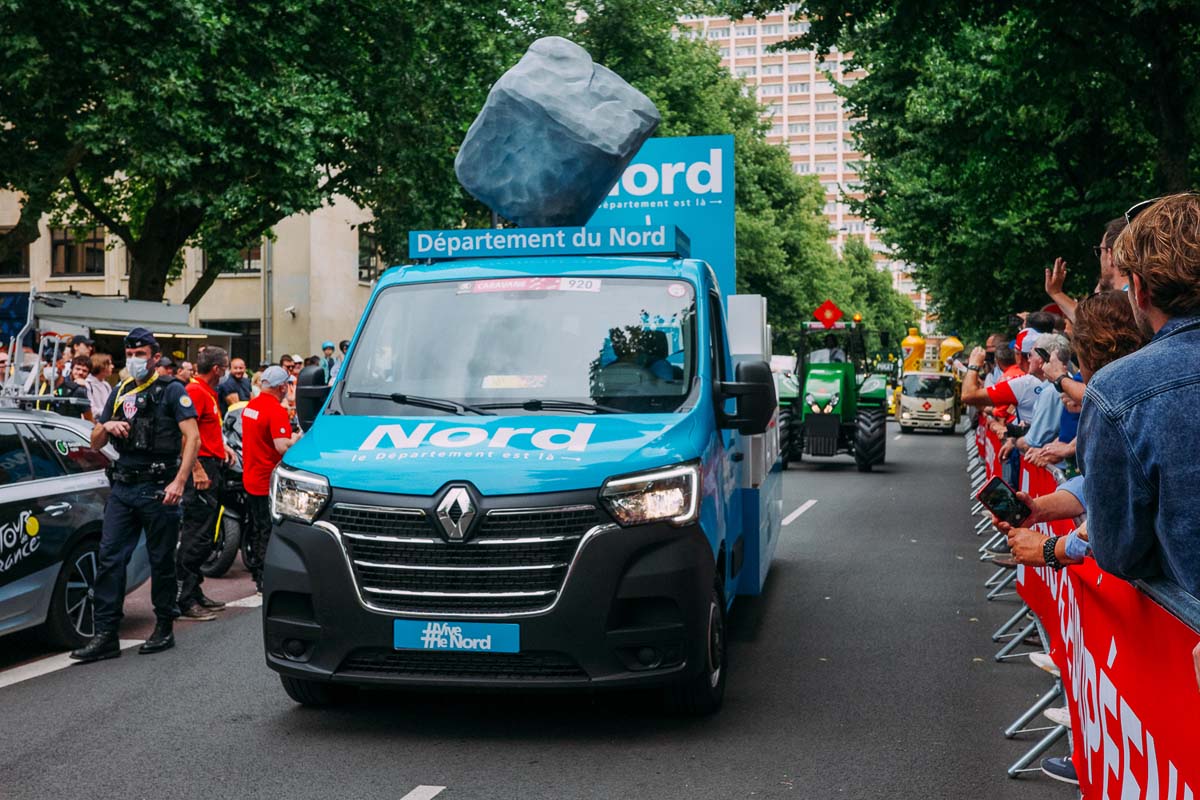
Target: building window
{"type": "Point", "coordinates": [747, 50]}
{"type": "Point", "coordinates": [772, 69]}
{"type": "Point", "coordinates": [744, 72]}
{"type": "Point", "coordinates": [798, 67]}
{"type": "Point", "coordinates": [746, 31]}
{"type": "Point", "coordinates": [802, 167]}
{"type": "Point", "coordinates": [77, 256]}
{"type": "Point", "coordinates": [247, 345]}
{"type": "Point", "coordinates": [826, 167]}
{"type": "Point", "coordinates": [369, 262]}
{"type": "Point", "coordinates": [773, 89]}
{"type": "Point", "coordinates": [827, 127]}
{"type": "Point", "coordinates": [723, 52]}
{"type": "Point", "coordinates": [827, 106]}
{"type": "Point", "coordinates": [798, 27]}
{"type": "Point", "coordinates": [718, 33]}
{"type": "Point", "coordinates": [798, 108]}
{"type": "Point", "coordinates": [797, 127]}
{"type": "Point", "coordinates": [774, 109]}
{"type": "Point", "coordinates": [800, 87]}
{"type": "Point", "coordinates": [249, 262]}
{"type": "Point", "coordinates": [776, 130]}
{"type": "Point", "coordinates": [772, 30]}
{"type": "Point", "coordinates": [824, 87]}
{"type": "Point", "coordinates": [17, 263]}
{"type": "Point", "coordinates": [798, 149]}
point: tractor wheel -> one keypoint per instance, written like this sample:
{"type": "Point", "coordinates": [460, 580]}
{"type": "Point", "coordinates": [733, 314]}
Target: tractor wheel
{"type": "Point", "coordinates": [870, 438]}
{"type": "Point", "coordinates": [785, 435]}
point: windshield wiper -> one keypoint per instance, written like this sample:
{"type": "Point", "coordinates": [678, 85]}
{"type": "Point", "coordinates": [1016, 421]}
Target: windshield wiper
{"type": "Point", "coordinates": [453, 406]}
{"type": "Point", "coordinates": [556, 405]}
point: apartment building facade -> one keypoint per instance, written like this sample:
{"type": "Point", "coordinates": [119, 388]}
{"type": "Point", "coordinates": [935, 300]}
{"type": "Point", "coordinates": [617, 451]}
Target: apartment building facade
{"type": "Point", "coordinates": [308, 284]}
{"type": "Point", "coordinates": [807, 117]}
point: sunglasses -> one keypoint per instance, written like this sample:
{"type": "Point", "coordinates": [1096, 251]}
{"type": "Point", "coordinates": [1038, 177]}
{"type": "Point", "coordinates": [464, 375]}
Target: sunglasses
{"type": "Point", "coordinates": [1138, 208]}
{"type": "Point", "coordinates": [1042, 353]}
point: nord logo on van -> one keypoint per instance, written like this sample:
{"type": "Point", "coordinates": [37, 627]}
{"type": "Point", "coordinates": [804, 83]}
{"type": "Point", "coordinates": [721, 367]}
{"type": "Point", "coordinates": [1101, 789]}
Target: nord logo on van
{"type": "Point", "coordinates": [701, 177]}
{"type": "Point", "coordinates": [396, 436]}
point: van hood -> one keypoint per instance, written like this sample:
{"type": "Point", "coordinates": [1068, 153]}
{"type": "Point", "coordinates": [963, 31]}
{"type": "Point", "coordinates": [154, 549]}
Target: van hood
{"type": "Point", "coordinates": [498, 455]}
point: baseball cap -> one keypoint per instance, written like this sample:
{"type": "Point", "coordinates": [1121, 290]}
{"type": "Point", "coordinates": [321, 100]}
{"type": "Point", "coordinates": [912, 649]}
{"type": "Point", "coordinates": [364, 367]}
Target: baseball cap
{"type": "Point", "coordinates": [327, 344]}
{"type": "Point", "coordinates": [83, 340]}
{"type": "Point", "coordinates": [274, 376]}
{"type": "Point", "coordinates": [1026, 339]}
{"type": "Point", "coordinates": [140, 337]}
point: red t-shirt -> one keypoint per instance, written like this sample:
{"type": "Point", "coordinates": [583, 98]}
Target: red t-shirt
{"type": "Point", "coordinates": [263, 421]}
{"type": "Point", "coordinates": [208, 418]}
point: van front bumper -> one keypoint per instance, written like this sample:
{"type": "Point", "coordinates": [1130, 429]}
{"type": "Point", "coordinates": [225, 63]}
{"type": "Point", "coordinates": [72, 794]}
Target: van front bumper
{"type": "Point", "coordinates": [632, 610]}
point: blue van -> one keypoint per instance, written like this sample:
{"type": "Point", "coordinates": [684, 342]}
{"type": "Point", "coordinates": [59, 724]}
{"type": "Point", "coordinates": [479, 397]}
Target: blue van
{"type": "Point", "coordinates": [531, 472]}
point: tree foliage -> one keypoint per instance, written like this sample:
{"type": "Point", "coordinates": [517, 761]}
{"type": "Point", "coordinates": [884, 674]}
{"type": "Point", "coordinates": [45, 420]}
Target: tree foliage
{"type": "Point", "coordinates": [1004, 134]}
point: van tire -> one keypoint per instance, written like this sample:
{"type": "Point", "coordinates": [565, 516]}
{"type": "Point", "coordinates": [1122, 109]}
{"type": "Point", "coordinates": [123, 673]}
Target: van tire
{"type": "Point", "coordinates": [702, 694]}
{"type": "Point", "coordinates": [906, 429]}
{"type": "Point", "coordinates": [79, 567]}
{"type": "Point", "coordinates": [315, 694]}
{"type": "Point", "coordinates": [870, 438]}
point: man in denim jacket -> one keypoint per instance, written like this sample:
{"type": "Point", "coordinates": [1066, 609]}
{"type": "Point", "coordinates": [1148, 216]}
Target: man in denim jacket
{"type": "Point", "coordinates": [1139, 432]}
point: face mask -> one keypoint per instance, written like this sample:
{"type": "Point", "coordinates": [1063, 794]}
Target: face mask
{"type": "Point", "coordinates": [139, 368]}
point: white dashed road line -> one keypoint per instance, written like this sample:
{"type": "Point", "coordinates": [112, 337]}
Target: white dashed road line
{"type": "Point", "coordinates": [47, 665]}
{"type": "Point", "coordinates": [897, 437]}
{"type": "Point", "coordinates": [424, 793]}
{"type": "Point", "coordinates": [253, 601]}
{"type": "Point", "coordinates": [790, 518]}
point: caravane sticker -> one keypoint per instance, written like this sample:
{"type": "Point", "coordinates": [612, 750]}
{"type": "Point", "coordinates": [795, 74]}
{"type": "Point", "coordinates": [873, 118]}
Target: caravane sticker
{"type": "Point", "coordinates": [530, 285]}
{"type": "Point", "coordinates": [397, 442]}
{"type": "Point", "coordinates": [18, 540]}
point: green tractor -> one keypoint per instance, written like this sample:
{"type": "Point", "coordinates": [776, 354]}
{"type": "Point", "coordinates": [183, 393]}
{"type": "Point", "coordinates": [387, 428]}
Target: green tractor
{"type": "Point", "coordinates": [841, 402]}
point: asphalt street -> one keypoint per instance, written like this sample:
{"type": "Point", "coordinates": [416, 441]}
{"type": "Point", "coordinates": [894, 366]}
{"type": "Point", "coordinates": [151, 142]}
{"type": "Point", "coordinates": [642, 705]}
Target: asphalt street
{"type": "Point", "coordinates": [865, 671]}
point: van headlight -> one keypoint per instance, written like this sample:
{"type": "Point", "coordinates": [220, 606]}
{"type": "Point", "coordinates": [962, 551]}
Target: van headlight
{"type": "Point", "coordinates": [297, 495]}
{"type": "Point", "coordinates": [665, 495]}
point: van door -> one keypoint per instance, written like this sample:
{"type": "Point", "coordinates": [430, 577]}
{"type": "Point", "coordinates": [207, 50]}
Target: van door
{"type": "Point", "coordinates": [728, 466]}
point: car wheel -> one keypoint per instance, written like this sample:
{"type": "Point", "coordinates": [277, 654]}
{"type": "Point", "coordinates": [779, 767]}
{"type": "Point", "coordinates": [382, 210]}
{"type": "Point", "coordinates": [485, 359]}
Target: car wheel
{"type": "Point", "coordinates": [71, 621]}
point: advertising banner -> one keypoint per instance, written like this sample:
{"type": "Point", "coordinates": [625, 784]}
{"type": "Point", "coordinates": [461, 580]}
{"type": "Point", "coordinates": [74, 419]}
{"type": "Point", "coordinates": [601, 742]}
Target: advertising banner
{"type": "Point", "coordinates": [684, 182]}
{"type": "Point", "coordinates": [1128, 675]}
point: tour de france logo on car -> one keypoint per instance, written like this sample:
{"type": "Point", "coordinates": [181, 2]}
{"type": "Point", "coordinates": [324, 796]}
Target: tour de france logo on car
{"type": "Point", "coordinates": [18, 540]}
{"type": "Point", "coordinates": [828, 313]}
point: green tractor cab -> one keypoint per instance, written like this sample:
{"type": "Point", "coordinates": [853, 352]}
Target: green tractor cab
{"type": "Point", "coordinates": [842, 403]}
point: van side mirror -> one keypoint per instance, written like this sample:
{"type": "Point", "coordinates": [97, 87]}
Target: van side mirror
{"type": "Point", "coordinates": [311, 392]}
{"type": "Point", "coordinates": [754, 390]}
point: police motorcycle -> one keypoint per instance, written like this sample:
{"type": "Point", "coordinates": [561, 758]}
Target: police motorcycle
{"type": "Point", "coordinates": [229, 536]}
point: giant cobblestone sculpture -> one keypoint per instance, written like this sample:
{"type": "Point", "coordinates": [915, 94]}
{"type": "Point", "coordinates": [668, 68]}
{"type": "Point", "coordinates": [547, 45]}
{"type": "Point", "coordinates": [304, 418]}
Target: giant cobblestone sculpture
{"type": "Point", "coordinates": [555, 134]}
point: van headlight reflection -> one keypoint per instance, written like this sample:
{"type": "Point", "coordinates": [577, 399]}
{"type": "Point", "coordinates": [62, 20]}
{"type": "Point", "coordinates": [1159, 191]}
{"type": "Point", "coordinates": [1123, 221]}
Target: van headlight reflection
{"type": "Point", "coordinates": [667, 495]}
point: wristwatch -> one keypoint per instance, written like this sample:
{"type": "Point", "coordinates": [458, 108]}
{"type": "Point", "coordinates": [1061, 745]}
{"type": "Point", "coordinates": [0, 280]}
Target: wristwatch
{"type": "Point", "coordinates": [975, 368]}
{"type": "Point", "coordinates": [1048, 553]}
{"type": "Point", "coordinates": [1058, 382]}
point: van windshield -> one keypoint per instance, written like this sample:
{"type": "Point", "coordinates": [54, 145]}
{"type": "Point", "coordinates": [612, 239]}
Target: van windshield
{"type": "Point", "coordinates": [622, 343]}
{"type": "Point", "coordinates": [935, 387]}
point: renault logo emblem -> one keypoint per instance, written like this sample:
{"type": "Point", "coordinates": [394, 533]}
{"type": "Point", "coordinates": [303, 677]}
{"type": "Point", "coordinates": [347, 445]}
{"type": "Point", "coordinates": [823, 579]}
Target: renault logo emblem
{"type": "Point", "coordinates": [455, 513]}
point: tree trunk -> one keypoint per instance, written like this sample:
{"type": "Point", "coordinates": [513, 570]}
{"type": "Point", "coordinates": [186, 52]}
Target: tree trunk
{"type": "Point", "coordinates": [1170, 110]}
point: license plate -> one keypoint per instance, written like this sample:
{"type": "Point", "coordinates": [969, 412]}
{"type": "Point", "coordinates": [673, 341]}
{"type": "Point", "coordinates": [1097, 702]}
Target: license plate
{"type": "Point", "coordinates": [463, 637]}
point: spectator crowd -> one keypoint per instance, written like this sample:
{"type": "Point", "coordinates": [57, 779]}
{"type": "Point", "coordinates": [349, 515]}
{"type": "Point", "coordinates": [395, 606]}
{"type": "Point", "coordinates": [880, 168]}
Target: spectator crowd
{"type": "Point", "coordinates": [75, 379]}
{"type": "Point", "coordinates": [1102, 388]}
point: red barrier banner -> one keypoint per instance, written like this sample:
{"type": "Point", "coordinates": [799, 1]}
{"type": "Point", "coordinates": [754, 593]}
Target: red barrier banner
{"type": "Point", "coordinates": [1130, 674]}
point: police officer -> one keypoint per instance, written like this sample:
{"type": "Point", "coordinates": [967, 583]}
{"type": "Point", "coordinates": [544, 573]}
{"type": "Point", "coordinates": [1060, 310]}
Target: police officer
{"type": "Point", "coordinates": [151, 422]}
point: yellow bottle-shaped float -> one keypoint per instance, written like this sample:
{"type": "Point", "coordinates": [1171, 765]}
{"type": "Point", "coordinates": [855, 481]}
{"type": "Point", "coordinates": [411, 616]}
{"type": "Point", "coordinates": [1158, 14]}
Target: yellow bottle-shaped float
{"type": "Point", "coordinates": [913, 348]}
{"type": "Point", "coordinates": [951, 346]}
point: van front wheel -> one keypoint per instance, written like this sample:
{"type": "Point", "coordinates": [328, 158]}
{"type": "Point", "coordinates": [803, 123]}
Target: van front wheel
{"type": "Point", "coordinates": [703, 693]}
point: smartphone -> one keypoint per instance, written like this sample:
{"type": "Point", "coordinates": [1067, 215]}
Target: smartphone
{"type": "Point", "coordinates": [1001, 500]}
{"type": "Point", "coordinates": [1015, 431]}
